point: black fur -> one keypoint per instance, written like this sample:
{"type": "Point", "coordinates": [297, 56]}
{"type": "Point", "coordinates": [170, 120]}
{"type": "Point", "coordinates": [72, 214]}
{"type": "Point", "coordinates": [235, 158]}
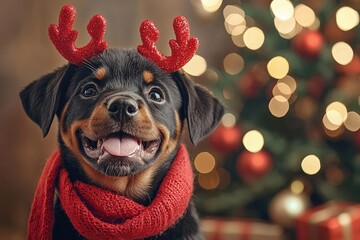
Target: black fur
{"type": "Point", "coordinates": [48, 96]}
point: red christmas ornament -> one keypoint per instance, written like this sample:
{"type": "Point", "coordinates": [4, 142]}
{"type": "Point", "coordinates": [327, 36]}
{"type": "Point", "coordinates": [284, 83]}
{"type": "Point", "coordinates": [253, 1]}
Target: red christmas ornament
{"type": "Point", "coordinates": [252, 166]}
{"type": "Point", "coordinates": [226, 139]}
{"type": "Point", "coordinates": [309, 44]}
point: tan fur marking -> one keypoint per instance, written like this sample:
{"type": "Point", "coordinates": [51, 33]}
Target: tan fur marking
{"type": "Point", "coordinates": [100, 73]}
{"type": "Point", "coordinates": [148, 76]}
{"type": "Point", "coordinates": [135, 186]}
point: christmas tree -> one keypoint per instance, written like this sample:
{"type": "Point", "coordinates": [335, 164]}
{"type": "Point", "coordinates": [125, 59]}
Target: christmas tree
{"type": "Point", "coordinates": [291, 135]}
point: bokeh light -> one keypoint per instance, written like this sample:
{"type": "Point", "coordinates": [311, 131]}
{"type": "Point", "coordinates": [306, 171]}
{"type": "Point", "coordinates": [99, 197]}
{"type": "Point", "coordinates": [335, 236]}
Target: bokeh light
{"type": "Point", "coordinates": [204, 162]}
{"type": "Point", "coordinates": [209, 181]}
{"type": "Point", "coordinates": [211, 5]}
{"type": "Point", "coordinates": [278, 67]}
{"type": "Point", "coordinates": [311, 164]}
{"type": "Point", "coordinates": [282, 89]}
{"type": "Point", "coordinates": [342, 53]}
{"type": "Point", "coordinates": [282, 9]}
{"type": "Point", "coordinates": [279, 106]}
{"type": "Point", "coordinates": [254, 38]}
{"type": "Point", "coordinates": [285, 26]}
{"type": "Point", "coordinates": [297, 187]}
{"type": "Point", "coordinates": [196, 66]}
{"type": "Point", "coordinates": [228, 120]}
{"type": "Point", "coordinates": [290, 82]}
{"type": "Point", "coordinates": [347, 18]}
{"type": "Point", "coordinates": [304, 15]}
{"type": "Point", "coordinates": [253, 141]}
{"type": "Point", "coordinates": [233, 63]}
{"type": "Point", "coordinates": [352, 122]}
{"type": "Point", "coordinates": [339, 108]}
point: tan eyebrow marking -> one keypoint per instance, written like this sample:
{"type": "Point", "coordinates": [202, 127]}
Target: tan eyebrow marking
{"type": "Point", "coordinates": [148, 76]}
{"type": "Point", "coordinates": [100, 73]}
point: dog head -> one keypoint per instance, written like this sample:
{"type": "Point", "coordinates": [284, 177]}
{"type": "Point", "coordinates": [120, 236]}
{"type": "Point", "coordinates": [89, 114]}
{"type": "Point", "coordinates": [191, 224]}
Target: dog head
{"type": "Point", "coordinates": [119, 113]}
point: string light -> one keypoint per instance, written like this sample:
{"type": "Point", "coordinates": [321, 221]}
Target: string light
{"type": "Point", "coordinates": [254, 38]}
{"type": "Point", "coordinates": [347, 18]}
{"type": "Point", "coordinates": [304, 15]}
{"type": "Point", "coordinates": [335, 121]}
{"type": "Point", "coordinates": [311, 164]}
{"type": "Point", "coordinates": [228, 120]}
{"type": "Point", "coordinates": [338, 107]}
{"type": "Point", "coordinates": [279, 106]}
{"type": "Point", "coordinates": [233, 63]}
{"type": "Point", "coordinates": [196, 66]}
{"type": "Point", "coordinates": [290, 82]}
{"type": "Point", "coordinates": [209, 181]}
{"type": "Point", "coordinates": [230, 9]}
{"type": "Point", "coordinates": [342, 53]}
{"type": "Point", "coordinates": [211, 5]}
{"type": "Point", "coordinates": [253, 141]}
{"type": "Point", "coordinates": [282, 9]}
{"type": "Point", "coordinates": [278, 67]}
{"type": "Point", "coordinates": [282, 89]}
{"type": "Point", "coordinates": [297, 187]}
{"type": "Point", "coordinates": [238, 40]}
{"type": "Point", "coordinates": [204, 162]}
{"type": "Point", "coordinates": [285, 26]}
{"type": "Point", "coordinates": [352, 122]}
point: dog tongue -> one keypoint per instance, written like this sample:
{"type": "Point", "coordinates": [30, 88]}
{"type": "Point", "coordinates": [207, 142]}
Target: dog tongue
{"type": "Point", "coordinates": [121, 146]}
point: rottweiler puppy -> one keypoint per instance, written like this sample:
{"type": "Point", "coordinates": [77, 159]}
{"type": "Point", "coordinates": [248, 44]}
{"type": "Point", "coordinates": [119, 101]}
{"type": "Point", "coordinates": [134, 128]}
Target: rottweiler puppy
{"type": "Point", "coordinates": [116, 97]}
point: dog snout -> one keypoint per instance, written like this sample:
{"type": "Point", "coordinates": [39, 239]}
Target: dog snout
{"type": "Point", "coordinates": [122, 108]}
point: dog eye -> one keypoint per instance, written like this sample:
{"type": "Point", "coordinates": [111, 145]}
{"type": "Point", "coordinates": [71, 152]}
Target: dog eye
{"type": "Point", "coordinates": [156, 95]}
{"type": "Point", "coordinates": [89, 91]}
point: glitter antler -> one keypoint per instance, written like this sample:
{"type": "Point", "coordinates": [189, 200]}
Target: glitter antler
{"type": "Point", "coordinates": [182, 49]}
{"type": "Point", "coordinates": [63, 37]}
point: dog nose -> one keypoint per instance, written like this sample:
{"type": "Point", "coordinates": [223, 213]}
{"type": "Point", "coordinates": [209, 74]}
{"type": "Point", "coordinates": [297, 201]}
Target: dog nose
{"type": "Point", "coordinates": [120, 108]}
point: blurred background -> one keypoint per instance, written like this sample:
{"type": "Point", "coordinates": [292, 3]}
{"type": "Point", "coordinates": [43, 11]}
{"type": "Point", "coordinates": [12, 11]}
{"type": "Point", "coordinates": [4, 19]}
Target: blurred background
{"type": "Point", "coordinates": [288, 72]}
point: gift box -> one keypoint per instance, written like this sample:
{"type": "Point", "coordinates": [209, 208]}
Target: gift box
{"type": "Point", "coordinates": [238, 229]}
{"type": "Point", "coordinates": [331, 221]}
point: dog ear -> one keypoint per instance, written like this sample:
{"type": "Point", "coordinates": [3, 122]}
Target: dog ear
{"type": "Point", "coordinates": [40, 99]}
{"type": "Point", "coordinates": [201, 109]}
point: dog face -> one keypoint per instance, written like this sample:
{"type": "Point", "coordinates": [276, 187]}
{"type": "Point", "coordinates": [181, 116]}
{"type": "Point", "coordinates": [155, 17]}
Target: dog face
{"type": "Point", "coordinates": [119, 114]}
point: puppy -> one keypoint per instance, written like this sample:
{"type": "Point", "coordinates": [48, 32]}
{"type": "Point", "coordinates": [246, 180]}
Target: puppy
{"type": "Point", "coordinates": [121, 96]}
{"type": "Point", "coordinates": [121, 117]}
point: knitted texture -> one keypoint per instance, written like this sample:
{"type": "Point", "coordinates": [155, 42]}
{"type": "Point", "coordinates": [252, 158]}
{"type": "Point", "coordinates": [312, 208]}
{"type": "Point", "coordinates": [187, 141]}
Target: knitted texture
{"type": "Point", "coordinates": [100, 214]}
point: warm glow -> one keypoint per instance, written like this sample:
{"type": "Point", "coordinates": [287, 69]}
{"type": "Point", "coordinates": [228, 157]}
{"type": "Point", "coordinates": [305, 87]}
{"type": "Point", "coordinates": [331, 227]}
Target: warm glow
{"type": "Point", "coordinates": [338, 107]}
{"type": "Point", "coordinates": [254, 38]}
{"type": "Point", "coordinates": [230, 9]}
{"type": "Point", "coordinates": [278, 67]}
{"type": "Point", "coordinates": [342, 53]}
{"type": "Point", "coordinates": [304, 15]}
{"type": "Point", "coordinates": [282, 89]}
{"type": "Point", "coordinates": [196, 66]}
{"type": "Point", "coordinates": [233, 63]}
{"type": "Point", "coordinates": [253, 141]}
{"type": "Point", "coordinates": [297, 187]}
{"type": "Point", "coordinates": [211, 5]}
{"type": "Point", "coordinates": [204, 162]}
{"type": "Point", "coordinates": [335, 121]}
{"type": "Point", "coordinates": [311, 164]}
{"type": "Point", "coordinates": [228, 120]}
{"type": "Point", "coordinates": [238, 40]}
{"type": "Point", "coordinates": [278, 106]}
{"type": "Point", "coordinates": [290, 82]}
{"type": "Point", "coordinates": [352, 122]}
{"type": "Point", "coordinates": [209, 181]}
{"type": "Point", "coordinates": [235, 19]}
{"type": "Point", "coordinates": [285, 26]}
{"type": "Point", "coordinates": [347, 18]}
{"type": "Point", "coordinates": [282, 9]}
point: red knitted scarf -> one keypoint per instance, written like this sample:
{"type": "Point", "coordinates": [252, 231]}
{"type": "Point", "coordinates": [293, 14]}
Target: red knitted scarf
{"type": "Point", "coordinates": [100, 214]}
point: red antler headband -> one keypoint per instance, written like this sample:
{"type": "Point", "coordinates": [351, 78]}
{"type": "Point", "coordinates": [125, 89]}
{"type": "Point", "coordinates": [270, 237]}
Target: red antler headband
{"type": "Point", "coordinates": [63, 37]}
{"type": "Point", "coordinates": [182, 49]}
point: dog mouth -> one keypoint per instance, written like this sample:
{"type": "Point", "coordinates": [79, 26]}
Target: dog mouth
{"type": "Point", "coordinates": [119, 147]}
